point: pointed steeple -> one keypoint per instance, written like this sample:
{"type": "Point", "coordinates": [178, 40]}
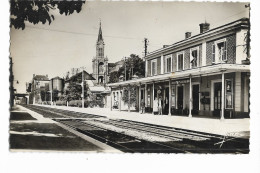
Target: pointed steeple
{"type": "Point", "coordinates": [100, 37]}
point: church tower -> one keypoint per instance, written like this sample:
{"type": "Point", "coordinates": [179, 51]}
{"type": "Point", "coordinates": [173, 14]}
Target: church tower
{"type": "Point", "coordinates": [100, 62]}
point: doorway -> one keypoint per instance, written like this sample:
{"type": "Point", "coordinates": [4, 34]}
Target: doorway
{"type": "Point", "coordinates": [195, 99]}
{"type": "Point", "coordinates": [217, 99]}
{"type": "Point", "coordinates": [180, 98]}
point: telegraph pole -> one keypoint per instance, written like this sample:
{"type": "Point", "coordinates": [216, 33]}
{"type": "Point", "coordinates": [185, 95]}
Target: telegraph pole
{"type": "Point", "coordinates": [125, 68]}
{"type": "Point", "coordinates": [145, 46]}
{"type": "Point", "coordinates": [82, 88]}
{"type": "Point", "coordinates": [248, 34]}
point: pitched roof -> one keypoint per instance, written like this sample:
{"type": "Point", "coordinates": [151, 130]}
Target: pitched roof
{"type": "Point", "coordinates": [100, 37]}
{"type": "Point", "coordinates": [57, 77]}
{"type": "Point", "coordinates": [40, 77]}
{"type": "Point", "coordinates": [87, 76]}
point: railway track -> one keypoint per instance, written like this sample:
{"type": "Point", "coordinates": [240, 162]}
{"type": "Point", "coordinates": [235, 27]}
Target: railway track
{"type": "Point", "coordinates": [176, 140]}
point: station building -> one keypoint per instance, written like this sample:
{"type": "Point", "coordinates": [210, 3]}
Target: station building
{"type": "Point", "coordinates": [204, 75]}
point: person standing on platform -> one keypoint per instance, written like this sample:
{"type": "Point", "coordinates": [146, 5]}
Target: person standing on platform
{"type": "Point", "coordinates": [142, 106]}
{"type": "Point", "coordinates": [155, 105]}
{"type": "Point", "coordinates": [160, 106]}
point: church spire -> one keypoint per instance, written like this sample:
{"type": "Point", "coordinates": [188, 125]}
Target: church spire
{"type": "Point", "coordinates": [100, 37]}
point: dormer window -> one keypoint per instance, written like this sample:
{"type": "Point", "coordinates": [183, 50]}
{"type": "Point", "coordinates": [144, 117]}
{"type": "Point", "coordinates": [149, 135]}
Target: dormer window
{"type": "Point", "coordinates": [219, 51]}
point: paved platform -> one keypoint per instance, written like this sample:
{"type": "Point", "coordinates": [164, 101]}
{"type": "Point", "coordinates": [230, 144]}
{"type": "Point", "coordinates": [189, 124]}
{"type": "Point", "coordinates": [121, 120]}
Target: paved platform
{"type": "Point", "coordinates": [30, 131]}
{"type": "Point", "coordinates": [230, 127]}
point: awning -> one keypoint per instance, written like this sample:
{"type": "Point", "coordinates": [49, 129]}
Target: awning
{"type": "Point", "coordinates": [196, 72]}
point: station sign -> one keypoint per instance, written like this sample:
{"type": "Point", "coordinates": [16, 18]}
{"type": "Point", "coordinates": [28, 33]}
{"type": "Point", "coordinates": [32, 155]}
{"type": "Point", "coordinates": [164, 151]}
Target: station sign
{"type": "Point", "coordinates": [185, 81]}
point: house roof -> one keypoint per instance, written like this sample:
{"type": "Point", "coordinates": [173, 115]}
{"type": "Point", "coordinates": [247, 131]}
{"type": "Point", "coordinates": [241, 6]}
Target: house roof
{"type": "Point", "coordinates": [57, 77]}
{"type": "Point", "coordinates": [241, 23]}
{"type": "Point", "coordinates": [40, 77]}
{"type": "Point", "coordinates": [87, 76]}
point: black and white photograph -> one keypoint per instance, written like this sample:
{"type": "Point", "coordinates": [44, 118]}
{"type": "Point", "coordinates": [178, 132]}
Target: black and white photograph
{"type": "Point", "coordinates": [130, 77]}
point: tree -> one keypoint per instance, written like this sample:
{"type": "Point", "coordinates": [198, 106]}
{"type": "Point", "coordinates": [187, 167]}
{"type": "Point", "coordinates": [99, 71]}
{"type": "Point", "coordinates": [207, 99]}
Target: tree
{"type": "Point", "coordinates": [133, 95]}
{"type": "Point", "coordinates": [134, 65]}
{"type": "Point", "coordinates": [35, 11]}
{"type": "Point", "coordinates": [43, 95]}
{"type": "Point", "coordinates": [55, 95]}
{"type": "Point", "coordinates": [113, 77]}
{"type": "Point", "coordinates": [74, 89]}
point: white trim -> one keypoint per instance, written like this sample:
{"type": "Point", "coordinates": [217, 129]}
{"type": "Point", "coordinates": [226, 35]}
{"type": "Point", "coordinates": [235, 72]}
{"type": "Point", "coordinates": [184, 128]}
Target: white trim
{"type": "Point", "coordinates": [179, 53]}
{"type": "Point", "coordinates": [212, 93]}
{"type": "Point", "coordinates": [162, 65]}
{"type": "Point", "coordinates": [202, 71]}
{"type": "Point", "coordinates": [195, 83]}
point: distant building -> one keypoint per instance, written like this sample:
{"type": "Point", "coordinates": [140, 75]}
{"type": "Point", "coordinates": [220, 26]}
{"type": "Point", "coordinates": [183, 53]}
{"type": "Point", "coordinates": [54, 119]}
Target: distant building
{"type": "Point", "coordinates": [37, 85]}
{"type": "Point", "coordinates": [112, 67]}
{"type": "Point", "coordinates": [56, 83]}
{"type": "Point", "coordinates": [100, 66]}
{"type": "Point", "coordinates": [100, 62]}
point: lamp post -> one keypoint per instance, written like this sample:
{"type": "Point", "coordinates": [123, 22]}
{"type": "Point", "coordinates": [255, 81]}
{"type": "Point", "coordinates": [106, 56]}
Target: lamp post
{"type": "Point", "coordinates": [82, 88]}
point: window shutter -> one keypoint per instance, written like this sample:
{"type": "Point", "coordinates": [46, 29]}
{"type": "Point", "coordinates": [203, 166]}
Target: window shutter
{"type": "Point", "coordinates": [225, 51]}
{"type": "Point", "coordinates": [165, 64]}
{"type": "Point", "coordinates": [213, 52]}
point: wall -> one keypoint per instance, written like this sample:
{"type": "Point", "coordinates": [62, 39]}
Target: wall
{"type": "Point", "coordinates": [231, 50]}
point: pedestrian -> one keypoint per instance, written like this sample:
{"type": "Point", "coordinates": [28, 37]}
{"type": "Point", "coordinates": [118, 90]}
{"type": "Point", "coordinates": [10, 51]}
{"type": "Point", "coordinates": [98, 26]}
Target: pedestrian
{"type": "Point", "coordinates": [155, 105]}
{"type": "Point", "coordinates": [142, 106]}
{"type": "Point", "coordinates": [160, 106]}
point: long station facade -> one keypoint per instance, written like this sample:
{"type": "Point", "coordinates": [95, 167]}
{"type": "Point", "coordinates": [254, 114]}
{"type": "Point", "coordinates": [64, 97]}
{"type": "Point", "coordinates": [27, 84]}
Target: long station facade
{"type": "Point", "coordinates": [204, 75]}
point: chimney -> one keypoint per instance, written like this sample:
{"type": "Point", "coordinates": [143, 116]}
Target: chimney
{"type": "Point", "coordinates": [187, 35]}
{"type": "Point", "coordinates": [204, 27]}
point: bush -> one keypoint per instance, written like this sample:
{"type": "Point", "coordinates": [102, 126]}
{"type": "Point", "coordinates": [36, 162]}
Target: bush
{"type": "Point", "coordinates": [61, 103]}
{"type": "Point", "coordinates": [96, 103]}
{"type": "Point", "coordinates": [78, 103]}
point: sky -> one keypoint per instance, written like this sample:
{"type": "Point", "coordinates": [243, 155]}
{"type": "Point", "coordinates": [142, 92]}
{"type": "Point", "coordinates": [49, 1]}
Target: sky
{"type": "Point", "coordinates": [69, 41]}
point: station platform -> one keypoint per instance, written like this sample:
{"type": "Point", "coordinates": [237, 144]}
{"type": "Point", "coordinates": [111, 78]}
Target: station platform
{"type": "Point", "coordinates": [226, 127]}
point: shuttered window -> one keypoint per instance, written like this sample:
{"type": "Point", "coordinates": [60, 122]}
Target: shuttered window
{"type": "Point", "coordinates": [180, 62]}
{"type": "Point", "coordinates": [213, 53]}
{"type": "Point", "coordinates": [224, 56]}
{"type": "Point", "coordinates": [168, 64]}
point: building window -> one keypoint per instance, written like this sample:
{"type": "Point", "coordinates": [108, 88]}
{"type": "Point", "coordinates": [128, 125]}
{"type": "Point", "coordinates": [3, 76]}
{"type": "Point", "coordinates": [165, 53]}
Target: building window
{"type": "Point", "coordinates": [153, 67]}
{"type": "Point", "coordinates": [194, 58]}
{"type": "Point", "coordinates": [222, 51]}
{"type": "Point", "coordinates": [180, 61]}
{"type": "Point", "coordinates": [219, 51]}
{"type": "Point", "coordinates": [168, 64]}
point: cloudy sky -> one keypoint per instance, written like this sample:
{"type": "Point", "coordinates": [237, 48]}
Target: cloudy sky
{"type": "Point", "coordinates": [70, 40]}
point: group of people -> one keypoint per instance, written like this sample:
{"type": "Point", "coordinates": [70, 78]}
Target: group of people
{"type": "Point", "coordinates": [158, 105]}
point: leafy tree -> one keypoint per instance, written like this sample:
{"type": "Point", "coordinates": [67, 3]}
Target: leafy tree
{"type": "Point", "coordinates": [35, 11]}
{"type": "Point", "coordinates": [113, 77]}
{"type": "Point", "coordinates": [55, 95]}
{"type": "Point", "coordinates": [134, 65]}
{"type": "Point", "coordinates": [74, 89]}
{"type": "Point", "coordinates": [133, 94]}
{"type": "Point", "coordinates": [43, 95]}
